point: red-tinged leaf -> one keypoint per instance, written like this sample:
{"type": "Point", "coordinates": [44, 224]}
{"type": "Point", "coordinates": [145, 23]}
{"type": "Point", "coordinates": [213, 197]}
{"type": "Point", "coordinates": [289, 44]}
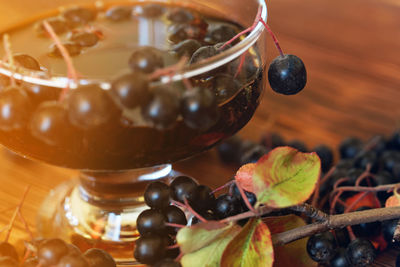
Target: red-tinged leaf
{"type": "Point", "coordinates": [251, 247]}
{"type": "Point", "coordinates": [285, 177]}
{"type": "Point", "coordinates": [244, 176]}
{"type": "Point", "coordinates": [393, 201]}
{"type": "Point", "coordinates": [204, 243]}
{"type": "Point", "coordinates": [368, 201]}
{"type": "Point", "coordinates": [295, 253]}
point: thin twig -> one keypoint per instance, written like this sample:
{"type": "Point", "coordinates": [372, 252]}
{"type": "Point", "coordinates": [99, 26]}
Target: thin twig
{"type": "Point", "coordinates": [310, 212]}
{"type": "Point", "coordinates": [17, 210]}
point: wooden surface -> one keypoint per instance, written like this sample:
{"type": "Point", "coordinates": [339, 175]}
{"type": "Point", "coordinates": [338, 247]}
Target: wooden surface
{"type": "Point", "coordinates": [352, 52]}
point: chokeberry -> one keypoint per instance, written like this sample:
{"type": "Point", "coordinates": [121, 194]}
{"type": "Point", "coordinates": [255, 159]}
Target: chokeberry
{"type": "Point", "coordinates": [8, 250]}
{"type": "Point", "coordinates": [299, 145]}
{"type": "Point", "coordinates": [208, 215]}
{"type": "Point", "coordinates": [167, 263]}
{"type": "Point", "coordinates": [389, 159]}
{"type": "Point", "coordinates": [151, 221]}
{"type": "Point", "coordinates": [59, 26]}
{"type": "Point", "coordinates": [150, 249]}
{"type": "Point", "coordinates": [77, 16]}
{"type": "Point", "coordinates": [287, 75]}
{"type": "Point", "coordinates": [73, 260]}
{"type": "Point", "coordinates": [340, 259]}
{"type": "Point", "coordinates": [131, 90]}
{"type": "Point", "coordinates": [199, 108]}
{"type": "Point", "coordinates": [27, 62]}
{"type": "Point", "coordinates": [225, 87]}
{"type": "Point", "coordinates": [119, 13]}
{"type": "Point", "coordinates": [149, 10]}
{"type": "Point", "coordinates": [84, 39]}
{"type": "Point", "coordinates": [181, 32]}
{"type": "Point", "coordinates": [251, 153]}
{"type": "Point", "coordinates": [203, 53]}
{"type": "Point", "coordinates": [40, 93]}
{"type": "Point", "coordinates": [361, 252]}
{"type": "Point", "coordinates": [90, 106]}
{"type": "Point", "coordinates": [366, 229]}
{"type": "Point", "coordinates": [50, 251]}
{"type": "Point", "coordinates": [321, 247]}
{"type": "Point", "coordinates": [73, 49]}
{"type": "Point", "coordinates": [179, 15]}
{"type": "Point", "coordinates": [383, 178]}
{"type": "Point", "coordinates": [350, 147]}
{"type": "Point", "coordinates": [272, 140]}
{"type": "Point", "coordinates": [365, 159]}
{"type": "Point", "coordinates": [182, 187]}
{"type": "Point", "coordinates": [234, 191]}
{"type": "Point", "coordinates": [98, 257]}
{"type": "Point", "coordinates": [146, 59]}
{"type": "Point", "coordinates": [222, 33]}
{"type": "Point", "coordinates": [388, 229]}
{"type": "Point", "coordinates": [394, 141]}
{"type": "Point", "coordinates": [226, 206]}
{"type": "Point", "coordinates": [325, 154]}
{"type": "Point", "coordinates": [202, 199]}
{"type": "Point", "coordinates": [163, 109]}
{"type": "Point", "coordinates": [157, 195]}
{"type": "Point", "coordinates": [186, 48]}
{"type": "Point", "coordinates": [398, 260]}
{"type": "Point", "coordinates": [228, 150]}
{"type": "Point", "coordinates": [174, 215]}
{"type": "Point", "coordinates": [14, 108]}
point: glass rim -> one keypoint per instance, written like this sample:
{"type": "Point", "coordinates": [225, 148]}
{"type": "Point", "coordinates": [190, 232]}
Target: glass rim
{"type": "Point", "coordinates": [204, 66]}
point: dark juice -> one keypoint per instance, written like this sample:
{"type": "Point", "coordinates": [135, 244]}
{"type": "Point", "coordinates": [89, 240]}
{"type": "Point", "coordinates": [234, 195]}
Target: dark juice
{"type": "Point", "coordinates": [120, 136]}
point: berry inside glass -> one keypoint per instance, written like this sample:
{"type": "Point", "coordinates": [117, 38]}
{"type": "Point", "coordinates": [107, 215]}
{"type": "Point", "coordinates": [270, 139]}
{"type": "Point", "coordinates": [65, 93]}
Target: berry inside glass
{"type": "Point", "coordinates": [148, 83]}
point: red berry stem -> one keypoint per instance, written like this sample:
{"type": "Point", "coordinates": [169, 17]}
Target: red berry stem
{"type": "Point", "coordinates": [175, 225]}
{"type": "Point", "coordinates": [334, 201]}
{"type": "Point", "coordinates": [170, 70]}
{"type": "Point", "coordinates": [241, 64]}
{"type": "Point", "coordinates": [222, 187]}
{"type": "Point", "coordinates": [17, 210]}
{"type": "Point", "coordinates": [276, 42]}
{"type": "Point", "coordinates": [178, 204]}
{"type": "Point", "coordinates": [351, 233]}
{"type": "Point", "coordinates": [173, 246]}
{"type": "Point", "coordinates": [26, 226]}
{"type": "Point", "coordinates": [191, 210]}
{"type": "Point", "coordinates": [320, 182]}
{"type": "Point", "coordinates": [355, 202]}
{"type": "Point", "coordinates": [71, 71]}
{"type": "Point", "coordinates": [245, 199]}
{"type": "Point", "coordinates": [10, 58]}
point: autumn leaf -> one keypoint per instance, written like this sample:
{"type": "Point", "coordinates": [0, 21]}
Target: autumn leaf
{"type": "Point", "coordinates": [204, 243]}
{"type": "Point", "coordinates": [244, 176]}
{"type": "Point", "coordinates": [285, 177]}
{"type": "Point", "coordinates": [251, 247]}
{"type": "Point", "coordinates": [293, 254]}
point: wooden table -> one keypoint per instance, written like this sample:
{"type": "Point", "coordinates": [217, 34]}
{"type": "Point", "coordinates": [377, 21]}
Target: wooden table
{"type": "Point", "coordinates": [352, 52]}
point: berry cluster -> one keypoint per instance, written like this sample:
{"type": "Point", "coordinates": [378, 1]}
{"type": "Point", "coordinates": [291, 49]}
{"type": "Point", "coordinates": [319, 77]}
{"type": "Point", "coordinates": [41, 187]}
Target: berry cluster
{"type": "Point", "coordinates": [54, 252]}
{"type": "Point", "coordinates": [159, 224]}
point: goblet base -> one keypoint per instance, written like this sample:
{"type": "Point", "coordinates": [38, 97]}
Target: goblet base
{"type": "Point", "coordinates": [100, 210]}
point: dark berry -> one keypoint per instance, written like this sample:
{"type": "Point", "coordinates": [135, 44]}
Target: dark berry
{"type": "Point", "coordinates": [252, 153]}
{"type": "Point", "coordinates": [8, 250]}
{"type": "Point", "coordinates": [209, 215]}
{"type": "Point", "coordinates": [394, 141]}
{"type": "Point", "coordinates": [150, 249]}
{"type": "Point", "coordinates": [174, 215]}
{"type": "Point", "coordinates": [203, 53]}
{"type": "Point", "coordinates": [342, 237]}
{"type": "Point", "coordinates": [226, 206]}
{"type": "Point", "coordinates": [8, 262]}
{"type": "Point", "coordinates": [72, 49]}
{"type": "Point", "coordinates": [186, 48]}
{"type": "Point", "coordinates": [146, 59]}
{"type": "Point", "coordinates": [151, 221]}
{"type": "Point", "coordinates": [85, 39]}
{"type": "Point", "coordinates": [149, 10]}
{"type": "Point", "coordinates": [234, 191]}
{"type": "Point", "coordinates": [225, 87]}
{"type": "Point", "coordinates": [366, 229]}
{"type": "Point", "coordinates": [389, 159]}
{"type": "Point", "coordinates": [353, 174]}
{"type": "Point", "coordinates": [201, 198]}
{"type": "Point", "coordinates": [14, 108]}
{"type": "Point", "coordinates": [79, 16]}
{"type": "Point", "coordinates": [182, 187]}
{"type": "Point", "coordinates": [59, 26]}
{"type": "Point", "coordinates": [272, 140]}
{"type": "Point", "coordinates": [365, 159]}
{"type": "Point", "coordinates": [89, 106]}
{"type": "Point", "coordinates": [49, 123]}
{"type": "Point", "coordinates": [98, 257]}
{"type": "Point", "coordinates": [157, 195]}
{"type": "Point", "coordinates": [181, 32]}
{"type": "Point", "coordinates": [340, 259]}
{"type": "Point", "coordinates": [321, 247]}
{"type": "Point", "coordinates": [73, 260]}
{"type": "Point", "coordinates": [27, 62]}
{"type": "Point", "coordinates": [344, 164]}
{"type": "Point", "coordinates": [398, 260]}
{"type": "Point", "coordinates": [4, 82]}
{"type": "Point", "coordinates": [31, 262]}
{"type": "Point", "coordinates": [388, 229]}
{"type": "Point", "coordinates": [299, 145]}
{"type": "Point", "coordinates": [119, 13]}
{"type": "Point", "coordinates": [379, 144]}
{"type": "Point", "coordinates": [131, 90]}
{"type": "Point", "coordinates": [228, 150]}
{"type": "Point", "coordinates": [287, 75]}
{"type": "Point", "coordinates": [325, 154]}
{"type": "Point", "coordinates": [222, 33]}
{"type": "Point", "coordinates": [350, 148]}
{"type": "Point", "coordinates": [40, 93]}
{"type": "Point", "coordinates": [163, 109]}
{"type": "Point", "coordinates": [167, 263]}
{"type": "Point", "coordinates": [199, 108]}
{"type": "Point", "coordinates": [383, 178]}
{"type": "Point", "coordinates": [361, 252]}
{"type": "Point", "coordinates": [171, 253]}
{"type": "Point", "coordinates": [179, 15]}
{"type": "Point", "coordinates": [50, 251]}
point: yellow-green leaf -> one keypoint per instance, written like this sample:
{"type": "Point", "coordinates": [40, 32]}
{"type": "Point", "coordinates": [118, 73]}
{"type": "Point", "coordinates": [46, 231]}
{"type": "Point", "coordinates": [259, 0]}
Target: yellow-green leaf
{"type": "Point", "coordinates": [251, 247]}
{"type": "Point", "coordinates": [285, 177]}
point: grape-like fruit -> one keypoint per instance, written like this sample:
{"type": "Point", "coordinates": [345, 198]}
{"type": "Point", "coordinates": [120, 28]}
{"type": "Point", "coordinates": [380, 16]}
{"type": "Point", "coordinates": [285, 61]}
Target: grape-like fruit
{"type": "Point", "coordinates": [73, 260]}
{"type": "Point", "coordinates": [325, 154]}
{"type": "Point", "coordinates": [59, 26]}
{"type": "Point", "coordinates": [146, 59]}
{"type": "Point", "coordinates": [222, 33]}
{"type": "Point", "coordinates": [388, 229]}
{"type": "Point", "coordinates": [8, 262]}
{"type": "Point", "coordinates": [225, 87]}
{"type": "Point", "coordinates": [272, 140]}
{"type": "Point", "coordinates": [394, 141]}
{"type": "Point", "coordinates": [383, 178]}
{"type": "Point", "coordinates": [202, 199]}
{"type": "Point", "coordinates": [26, 61]}
{"type": "Point", "coordinates": [84, 39]}
{"type": "Point", "coordinates": [73, 49]}
{"type": "Point", "coordinates": [98, 257]}
{"type": "Point", "coordinates": [167, 263]}
{"type": "Point", "coordinates": [350, 147]}
{"type": "Point", "coordinates": [77, 16]}
{"type": "Point", "coordinates": [8, 250]}
{"type": "Point", "coordinates": [150, 249]}
{"type": "Point", "coordinates": [361, 252]}
{"type": "Point", "coordinates": [39, 93]}
{"type": "Point", "coordinates": [366, 229]}
{"type": "Point", "coordinates": [179, 15]}
{"type": "Point", "coordinates": [174, 215]}
{"type": "Point", "coordinates": [157, 195]}
{"type": "Point", "coordinates": [251, 153]}
{"type": "Point", "coordinates": [49, 123]}
{"type": "Point", "coordinates": [321, 247]}
{"type": "Point", "coordinates": [151, 221]}
{"type": "Point", "coordinates": [299, 145]}
{"type": "Point", "coordinates": [119, 13]}
{"type": "Point", "coordinates": [199, 108]}
{"type": "Point", "coordinates": [50, 251]}
{"type": "Point", "coordinates": [287, 75]}
{"type": "Point", "coordinates": [368, 158]}
{"type": "Point", "coordinates": [390, 159]}
{"type": "Point", "coordinates": [89, 106]}
{"type": "Point", "coordinates": [208, 215]}
{"type": "Point", "coordinates": [14, 108]}
{"type": "Point", "coordinates": [181, 32]}
{"type": "Point", "coordinates": [182, 187]}
{"type": "Point", "coordinates": [234, 191]}
{"type": "Point", "coordinates": [340, 259]}
{"type": "Point", "coordinates": [203, 53]}
{"type": "Point", "coordinates": [163, 109]}
{"type": "Point", "coordinates": [186, 47]}
{"type": "Point", "coordinates": [228, 150]}
{"type": "Point", "coordinates": [226, 206]}
{"type": "Point", "coordinates": [131, 90]}
{"type": "Point", "coordinates": [149, 10]}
